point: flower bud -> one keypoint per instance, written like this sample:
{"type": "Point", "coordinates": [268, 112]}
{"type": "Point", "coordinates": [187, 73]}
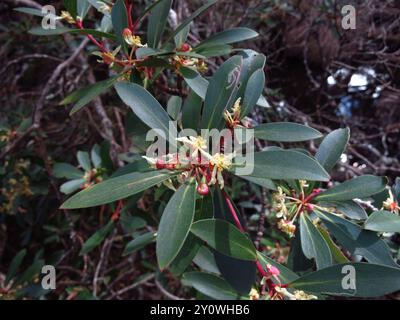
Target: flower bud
{"type": "Point", "coordinates": [185, 47]}
{"type": "Point", "coordinates": [203, 189]}
{"type": "Point", "coordinates": [309, 207]}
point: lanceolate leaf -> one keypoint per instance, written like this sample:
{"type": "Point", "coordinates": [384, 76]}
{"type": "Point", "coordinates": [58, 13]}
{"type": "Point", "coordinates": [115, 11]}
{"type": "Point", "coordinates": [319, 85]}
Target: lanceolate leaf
{"type": "Point", "coordinates": [205, 260]}
{"type": "Point", "coordinates": [211, 285]}
{"type": "Point", "coordinates": [332, 147]}
{"type": "Point", "coordinates": [195, 81]}
{"type": "Point", "coordinates": [254, 89]}
{"type": "Point", "coordinates": [220, 93]}
{"type": "Point", "coordinates": [383, 221]}
{"type": "Point", "coordinates": [189, 19]}
{"type": "Point", "coordinates": [337, 254]}
{"type": "Point", "coordinates": [356, 240]}
{"type": "Point", "coordinates": [72, 185]}
{"type": "Point", "coordinates": [228, 37]}
{"type": "Point", "coordinates": [97, 238]}
{"type": "Point", "coordinates": [119, 21]}
{"type": "Point", "coordinates": [286, 164]}
{"type": "Point", "coordinates": [83, 96]}
{"type": "Point", "coordinates": [314, 244]}
{"type": "Point", "coordinates": [84, 160]}
{"type": "Point", "coordinates": [191, 111]}
{"type": "Point", "coordinates": [145, 106]}
{"type": "Point", "coordinates": [230, 267]}
{"type": "Point", "coordinates": [115, 189]}
{"type": "Point", "coordinates": [175, 224]}
{"type": "Point", "coordinates": [371, 280]}
{"type": "Point", "coordinates": [65, 170]}
{"type": "Point", "coordinates": [359, 187]}
{"type": "Point", "coordinates": [14, 265]}
{"type": "Point", "coordinates": [225, 238]}
{"type": "Point", "coordinates": [285, 132]}
{"type": "Point", "coordinates": [157, 21]}
{"type": "Point", "coordinates": [349, 208]}
{"type": "Point", "coordinates": [140, 242]}
{"type": "Point", "coordinates": [262, 182]}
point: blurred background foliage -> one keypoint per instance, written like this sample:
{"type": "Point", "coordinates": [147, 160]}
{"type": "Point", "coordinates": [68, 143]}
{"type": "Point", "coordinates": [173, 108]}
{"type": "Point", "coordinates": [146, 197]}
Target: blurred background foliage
{"type": "Point", "coordinates": [317, 74]}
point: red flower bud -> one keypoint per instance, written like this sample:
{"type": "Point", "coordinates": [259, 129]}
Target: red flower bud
{"type": "Point", "coordinates": [309, 207]}
{"type": "Point", "coordinates": [126, 33]}
{"type": "Point", "coordinates": [160, 164]}
{"type": "Point", "coordinates": [202, 189]}
{"type": "Point", "coordinates": [184, 47]}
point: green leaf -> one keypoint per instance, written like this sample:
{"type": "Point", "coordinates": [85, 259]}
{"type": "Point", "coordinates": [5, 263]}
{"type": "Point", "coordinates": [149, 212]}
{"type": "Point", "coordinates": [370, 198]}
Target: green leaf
{"type": "Point", "coordinates": [371, 280]}
{"type": "Point", "coordinates": [84, 95]}
{"type": "Point", "coordinates": [349, 208]}
{"type": "Point", "coordinates": [96, 156]}
{"type": "Point", "coordinates": [228, 36]}
{"type": "Point", "coordinates": [185, 255]}
{"type": "Point", "coordinates": [72, 185]}
{"type": "Point", "coordinates": [139, 242]}
{"type": "Point", "coordinates": [65, 170]}
{"type": "Point", "coordinates": [174, 106]}
{"type": "Point", "coordinates": [115, 189]}
{"type": "Point", "coordinates": [205, 260]}
{"type": "Point", "coordinates": [84, 160]}
{"type": "Point", "coordinates": [145, 106]}
{"type": "Point", "coordinates": [189, 19]}
{"type": "Point", "coordinates": [383, 221]}
{"type": "Point", "coordinates": [252, 61]}
{"type": "Point", "coordinates": [225, 238]}
{"type": "Point", "coordinates": [220, 93]}
{"type": "Point", "coordinates": [332, 147]}
{"type": "Point", "coordinates": [253, 91]}
{"type": "Point", "coordinates": [359, 187]}
{"type": "Point", "coordinates": [195, 81]}
{"type": "Point", "coordinates": [314, 244]}
{"type": "Point", "coordinates": [286, 275]}
{"type": "Point", "coordinates": [230, 267]}
{"type": "Point", "coordinates": [211, 285]}
{"type": "Point", "coordinates": [286, 164]}
{"type": "Point", "coordinates": [157, 21]}
{"type": "Point", "coordinates": [14, 265]}
{"type": "Point", "coordinates": [39, 31]}
{"type": "Point", "coordinates": [214, 51]}
{"type": "Point", "coordinates": [191, 111]}
{"type": "Point", "coordinates": [337, 254]}
{"type": "Point", "coordinates": [31, 11]}
{"type": "Point", "coordinates": [285, 132]}
{"type": "Point", "coordinates": [72, 7]}
{"type": "Point", "coordinates": [96, 238]}
{"type": "Point", "coordinates": [175, 224]}
{"type": "Point", "coordinates": [182, 35]}
{"type": "Point", "coordinates": [356, 240]}
{"type": "Point", "coordinates": [82, 8]}
{"type": "Point", "coordinates": [33, 270]}
{"type": "Point", "coordinates": [119, 20]}
{"type": "Point", "coordinates": [262, 182]}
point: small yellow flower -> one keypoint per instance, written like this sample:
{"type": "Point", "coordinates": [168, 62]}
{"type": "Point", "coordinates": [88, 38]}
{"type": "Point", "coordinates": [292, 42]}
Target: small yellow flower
{"type": "Point", "coordinates": [65, 15]}
{"type": "Point", "coordinates": [390, 204]}
{"type": "Point", "coordinates": [131, 39]}
{"type": "Point", "coordinates": [254, 295]}
{"type": "Point", "coordinates": [287, 226]}
{"type": "Point", "coordinates": [220, 162]}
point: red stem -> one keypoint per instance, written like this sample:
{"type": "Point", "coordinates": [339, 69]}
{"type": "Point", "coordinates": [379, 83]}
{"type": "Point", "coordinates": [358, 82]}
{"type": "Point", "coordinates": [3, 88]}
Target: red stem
{"type": "Point", "coordinates": [79, 24]}
{"type": "Point", "coordinates": [129, 8]}
{"type": "Point", "coordinates": [239, 226]}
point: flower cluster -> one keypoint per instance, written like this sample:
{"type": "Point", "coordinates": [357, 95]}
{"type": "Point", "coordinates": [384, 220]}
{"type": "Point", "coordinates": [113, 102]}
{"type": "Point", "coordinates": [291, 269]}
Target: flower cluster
{"type": "Point", "coordinates": [196, 162]}
{"type": "Point", "coordinates": [390, 204]}
{"type": "Point", "coordinates": [92, 177]}
{"type": "Point", "coordinates": [180, 60]}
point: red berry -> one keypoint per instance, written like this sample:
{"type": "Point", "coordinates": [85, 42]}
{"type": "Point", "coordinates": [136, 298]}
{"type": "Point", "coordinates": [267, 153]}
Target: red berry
{"type": "Point", "coordinates": [202, 189]}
